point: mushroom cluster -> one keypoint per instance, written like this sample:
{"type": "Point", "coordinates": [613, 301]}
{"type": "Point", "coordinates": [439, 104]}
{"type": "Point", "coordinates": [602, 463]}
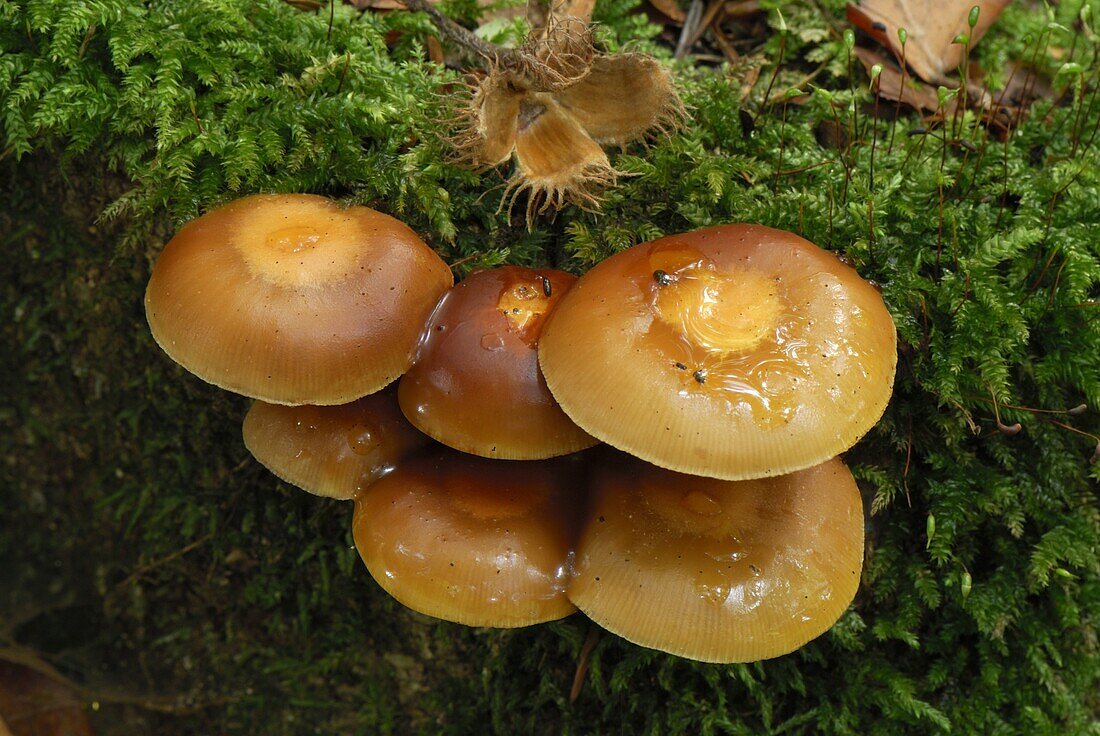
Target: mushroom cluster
{"type": "Point", "coordinates": [723, 370]}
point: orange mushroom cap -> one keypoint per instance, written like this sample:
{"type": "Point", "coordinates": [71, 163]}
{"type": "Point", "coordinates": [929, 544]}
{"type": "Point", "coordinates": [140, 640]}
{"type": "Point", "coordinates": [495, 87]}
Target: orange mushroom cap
{"type": "Point", "coordinates": [474, 541]}
{"type": "Point", "coordinates": [715, 570]}
{"type": "Point", "coordinates": [332, 451]}
{"type": "Point", "coordinates": [293, 300]}
{"type": "Point", "coordinates": [475, 384]}
{"type": "Point", "coordinates": [734, 352]}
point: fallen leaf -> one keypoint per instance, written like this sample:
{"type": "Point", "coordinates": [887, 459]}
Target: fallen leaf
{"type": "Point", "coordinates": [576, 8]}
{"type": "Point", "coordinates": [1022, 85]}
{"type": "Point", "coordinates": [669, 9]}
{"type": "Point", "coordinates": [892, 86]}
{"type": "Point", "coordinates": [435, 49]}
{"type": "Point", "coordinates": [34, 704]}
{"type": "Point", "coordinates": [741, 8]}
{"type": "Point", "coordinates": [831, 134]}
{"type": "Point", "coordinates": [931, 25]}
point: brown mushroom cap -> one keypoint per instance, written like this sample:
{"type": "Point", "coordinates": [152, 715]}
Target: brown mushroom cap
{"type": "Point", "coordinates": [474, 541]}
{"type": "Point", "coordinates": [714, 570]}
{"type": "Point", "coordinates": [475, 384]}
{"type": "Point", "coordinates": [734, 352]}
{"type": "Point", "coordinates": [332, 451]}
{"type": "Point", "coordinates": [294, 300]}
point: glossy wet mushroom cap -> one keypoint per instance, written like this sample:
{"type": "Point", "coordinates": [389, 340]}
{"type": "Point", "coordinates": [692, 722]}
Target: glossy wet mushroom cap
{"type": "Point", "coordinates": [737, 351]}
{"type": "Point", "coordinates": [292, 299]}
{"type": "Point", "coordinates": [332, 451]}
{"type": "Point", "coordinates": [719, 571]}
{"type": "Point", "coordinates": [475, 384]}
{"type": "Point", "coordinates": [474, 541]}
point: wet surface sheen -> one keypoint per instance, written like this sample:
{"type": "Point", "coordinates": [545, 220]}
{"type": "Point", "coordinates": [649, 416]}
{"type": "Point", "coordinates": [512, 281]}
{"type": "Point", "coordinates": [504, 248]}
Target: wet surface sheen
{"type": "Point", "coordinates": [719, 570]}
{"type": "Point", "coordinates": [292, 299]}
{"type": "Point", "coordinates": [734, 352]}
{"type": "Point", "coordinates": [332, 451]}
{"type": "Point", "coordinates": [475, 384]}
{"type": "Point", "coordinates": [475, 541]}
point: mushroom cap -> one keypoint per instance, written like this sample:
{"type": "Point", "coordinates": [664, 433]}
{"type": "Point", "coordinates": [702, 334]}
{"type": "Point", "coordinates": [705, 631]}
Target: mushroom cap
{"type": "Point", "coordinates": [475, 384]}
{"type": "Point", "coordinates": [714, 570]}
{"type": "Point", "coordinates": [475, 541]}
{"type": "Point", "coordinates": [734, 352]}
{"type": "Point", "coordinates": [332, 451]}
{"type": "Point", "coordinates": [291, 299]}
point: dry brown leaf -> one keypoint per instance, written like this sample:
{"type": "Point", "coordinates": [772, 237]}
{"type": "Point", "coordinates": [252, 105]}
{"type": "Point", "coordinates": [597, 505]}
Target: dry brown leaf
{"type": "Point", "coordinates": [931, 25]}
{"type": "Point", "coordinates": [435, 49]}
{"type": "Point", "coordinates": [669, 9]}
{"type": "Point", "coordinates": [34, 704]}
{"type": "Point", "coordinates": [893, 87]}
{"type": "Point", "coordinates": [741, 8]}
{"type": "Point", "coordinates": [581, 9]}
{"type": "Point", "coordinates": [1022, 85]}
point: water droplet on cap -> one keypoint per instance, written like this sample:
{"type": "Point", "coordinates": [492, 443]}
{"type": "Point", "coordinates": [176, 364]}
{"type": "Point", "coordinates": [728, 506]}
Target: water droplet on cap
{"type": "Point", "coordinates": [361, 440]}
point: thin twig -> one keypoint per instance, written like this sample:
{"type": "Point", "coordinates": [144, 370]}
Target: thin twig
{"type": "Point", "coordinates": [451, 31]}
{"type": "Point", "coordinates": [691, 22]}
{"type": "Point", "coordinates": [139, 572]}
{"type": "Point", "coordinates": [582, 662]}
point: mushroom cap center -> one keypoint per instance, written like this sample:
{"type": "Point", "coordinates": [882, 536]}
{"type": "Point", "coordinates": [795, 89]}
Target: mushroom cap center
{"type": "Point", "coordinates": [299, 245]}
{"type": "Point", "coordinates": [525, 303]}
{"type": "Point", "coordinates": [727, 312]}
{"type": "Point", "coordinates": [730, 331]}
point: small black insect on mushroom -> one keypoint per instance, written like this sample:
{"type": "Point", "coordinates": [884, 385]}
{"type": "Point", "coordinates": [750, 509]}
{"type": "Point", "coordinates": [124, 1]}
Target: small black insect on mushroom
{"type": "Point", "coordinates": [663, 278]}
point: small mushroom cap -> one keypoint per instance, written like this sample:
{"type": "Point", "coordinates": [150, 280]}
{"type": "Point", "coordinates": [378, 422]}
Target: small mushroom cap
{"type": "Point", "coordinates": [332, 451]}
{"type": "Point", "coordinates": [475, 384]}
{"type": "Point", "coordinates": [734, 352]}
{"type": "Point", "coordinates": [293, 300]}
{"type": "Point", "coordinates": [719, 571]}
{"type": "Point", "coordinates": [474, 541]}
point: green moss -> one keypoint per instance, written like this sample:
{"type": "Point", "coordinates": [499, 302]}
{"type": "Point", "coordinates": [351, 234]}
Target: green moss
{"type": "Point", "coordinates": [144, 553]}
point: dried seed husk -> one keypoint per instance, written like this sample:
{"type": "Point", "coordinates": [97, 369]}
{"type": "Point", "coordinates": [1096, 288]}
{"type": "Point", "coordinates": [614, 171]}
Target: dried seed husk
{"type": "Point", "coordinates": [556, 161]}
{"type": "Point", "coordinates": [622, 98]}
{"type": "Point", "coordinates": [486, 128]}
{"type": "Point", "coordinates": [557, 57]}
